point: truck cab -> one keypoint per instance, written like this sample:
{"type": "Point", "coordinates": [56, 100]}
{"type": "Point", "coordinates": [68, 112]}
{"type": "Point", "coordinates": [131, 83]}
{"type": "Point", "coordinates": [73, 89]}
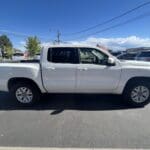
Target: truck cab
{"type": "Point", "coordinates": [79, 70]}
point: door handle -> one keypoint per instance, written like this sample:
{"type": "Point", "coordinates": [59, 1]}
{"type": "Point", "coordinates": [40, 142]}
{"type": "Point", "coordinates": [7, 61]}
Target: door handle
{"type": "Point", "coordinates": [82, 69]}
{"type": "Point", "coordinates": [51, 68]}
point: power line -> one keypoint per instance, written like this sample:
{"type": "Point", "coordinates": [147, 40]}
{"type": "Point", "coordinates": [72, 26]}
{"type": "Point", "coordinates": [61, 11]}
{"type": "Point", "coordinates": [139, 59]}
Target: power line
{"type": "Point", "coordinates": [20, 34]}
{"type": "Point", "coordinates": [117, 25]}
{"type": "Point", "coordinates": [14, 33]}
{"type": "Point", "coordinates": [110, 20]}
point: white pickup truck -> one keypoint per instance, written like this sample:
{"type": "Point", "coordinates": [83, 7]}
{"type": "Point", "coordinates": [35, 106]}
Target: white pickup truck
{"type": "Point", "coordinates": [76, 69]}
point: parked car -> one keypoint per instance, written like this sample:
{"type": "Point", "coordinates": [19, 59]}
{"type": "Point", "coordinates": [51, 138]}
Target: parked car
{"type": "Point", "coordinates": [18, 56]}
{"type": "Point", "coordinates": [127, 56]}
{"type": "Point", "coordinates": [76, 69]}
{"type": "Point", "coordinates": [144, 56]}
{"type": "Point", "coordinates": [37, 56]}
{"type": "Point", "coordinates": [116, 53]}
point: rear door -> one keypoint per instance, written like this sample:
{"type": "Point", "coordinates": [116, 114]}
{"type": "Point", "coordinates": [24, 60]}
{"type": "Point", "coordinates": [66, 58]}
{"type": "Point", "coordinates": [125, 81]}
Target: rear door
{"type": "Point", "coordinates": [59, 73]}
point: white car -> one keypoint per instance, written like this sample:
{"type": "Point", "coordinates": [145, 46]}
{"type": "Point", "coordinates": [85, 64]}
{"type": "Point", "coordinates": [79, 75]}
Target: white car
{"type": "Point", "coordinates": [76, 69]}
{"type": "Point", "coordinates": [143, 56]}
{"type": "Point", "coordinates": [18, 56]}
{"type": "Point", "coordinates": [37, 56]}
{"type": "Point", "coordinates": [127, 56]}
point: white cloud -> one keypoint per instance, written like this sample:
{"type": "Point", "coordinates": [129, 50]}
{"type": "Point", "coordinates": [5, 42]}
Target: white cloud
{"type": "Point", "coordinates": [23, 43]}
{"type": "Point", "coordinates": [111, 43]}
{"type": "Point", "coordinates": [117, 43]}
{"type": "Point", "coordinates": [20, 46]}
{"type": "Point", "coordinates": [114, 43]}
{"type": "Point", "coordinates": [46, 44]}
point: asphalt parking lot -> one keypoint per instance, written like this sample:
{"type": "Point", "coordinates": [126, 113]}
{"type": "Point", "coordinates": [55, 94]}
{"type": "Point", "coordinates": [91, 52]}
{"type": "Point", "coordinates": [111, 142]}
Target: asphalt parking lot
{"type": "Point", "coordinates": [80, 121]}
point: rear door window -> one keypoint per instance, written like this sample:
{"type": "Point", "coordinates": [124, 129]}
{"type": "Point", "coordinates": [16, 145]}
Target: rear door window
{"type": "Point", "coordinates": [63, 55]}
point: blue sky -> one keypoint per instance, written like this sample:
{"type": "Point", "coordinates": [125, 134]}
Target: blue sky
{"type": "Point", "coordinates": [44, 17]}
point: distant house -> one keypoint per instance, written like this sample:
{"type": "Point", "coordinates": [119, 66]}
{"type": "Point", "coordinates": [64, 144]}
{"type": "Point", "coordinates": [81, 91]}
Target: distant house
{"type": "Point", "coordinates": [17, 50]}
{"type": "Point", "coordinates": [136, 50]}
{"type": "Point", "coordinates": [18, 55]}
{"type": "Point", "coordinates": [102, 47]}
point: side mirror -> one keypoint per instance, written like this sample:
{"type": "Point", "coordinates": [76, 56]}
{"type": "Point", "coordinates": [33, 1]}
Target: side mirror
{"type": "Point", "coordinates": [111, 61]}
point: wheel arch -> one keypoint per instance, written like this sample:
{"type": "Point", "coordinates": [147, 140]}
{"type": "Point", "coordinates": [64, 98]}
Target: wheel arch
{"type": "Point", "coordinates": [136, 79]}
{"type": "Point", "coordinates": [16, 80]}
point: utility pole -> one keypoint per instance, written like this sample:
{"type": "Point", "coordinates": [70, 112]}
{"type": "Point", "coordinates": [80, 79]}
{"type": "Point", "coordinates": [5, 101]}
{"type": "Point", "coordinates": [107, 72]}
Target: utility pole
{"type": "Point", "coordinates": [0, 52]}
{"type": "Point", "coordinates": [58, 37]}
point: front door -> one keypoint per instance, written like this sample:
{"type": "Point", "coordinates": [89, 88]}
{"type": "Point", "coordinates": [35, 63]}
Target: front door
{"type": "Point", "coordinates": [93, 75]}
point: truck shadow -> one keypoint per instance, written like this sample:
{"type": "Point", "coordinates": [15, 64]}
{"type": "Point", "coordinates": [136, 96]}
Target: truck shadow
{"type": "Point", "coordinates": [60, 102]}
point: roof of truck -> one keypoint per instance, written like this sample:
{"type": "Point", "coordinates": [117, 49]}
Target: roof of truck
{"type": "Point", "coordinates": [70, 45]}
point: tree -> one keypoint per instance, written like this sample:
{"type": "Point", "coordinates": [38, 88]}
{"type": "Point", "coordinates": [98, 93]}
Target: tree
{"type": "Point", "coordinates": [33, 45]}
{"type": "Point", "coordinates": [9, 52]}
{"type": "Point", "coordinates": [5, 43]}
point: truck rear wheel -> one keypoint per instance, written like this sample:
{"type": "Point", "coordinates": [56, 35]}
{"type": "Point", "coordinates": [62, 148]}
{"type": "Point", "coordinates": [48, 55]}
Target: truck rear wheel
{"type": "Point", "coordinates": [137, 93]}
{"type": "Point", "coordinates": [25, 94]}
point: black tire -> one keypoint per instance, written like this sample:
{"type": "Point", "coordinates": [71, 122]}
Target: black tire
{"type": "Point", "coordinates": [33, 89]}
{"type": "Point", "coordinates": [132, 87]}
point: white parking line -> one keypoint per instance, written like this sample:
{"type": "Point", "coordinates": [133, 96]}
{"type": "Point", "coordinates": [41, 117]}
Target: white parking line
{"type": "Point", "coordinates": [33, 148]}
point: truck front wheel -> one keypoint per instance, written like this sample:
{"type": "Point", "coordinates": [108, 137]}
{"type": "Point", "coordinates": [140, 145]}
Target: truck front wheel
{"type": "Point", "coordinates": [137, 93]}
{"type": "Point", "coordinates": [25, 94]}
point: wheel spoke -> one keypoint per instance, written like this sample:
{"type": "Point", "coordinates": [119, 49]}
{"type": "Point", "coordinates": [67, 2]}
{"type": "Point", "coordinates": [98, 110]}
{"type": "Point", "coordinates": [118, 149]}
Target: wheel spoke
{"type": "Point", "coordinates": [134, 94]}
